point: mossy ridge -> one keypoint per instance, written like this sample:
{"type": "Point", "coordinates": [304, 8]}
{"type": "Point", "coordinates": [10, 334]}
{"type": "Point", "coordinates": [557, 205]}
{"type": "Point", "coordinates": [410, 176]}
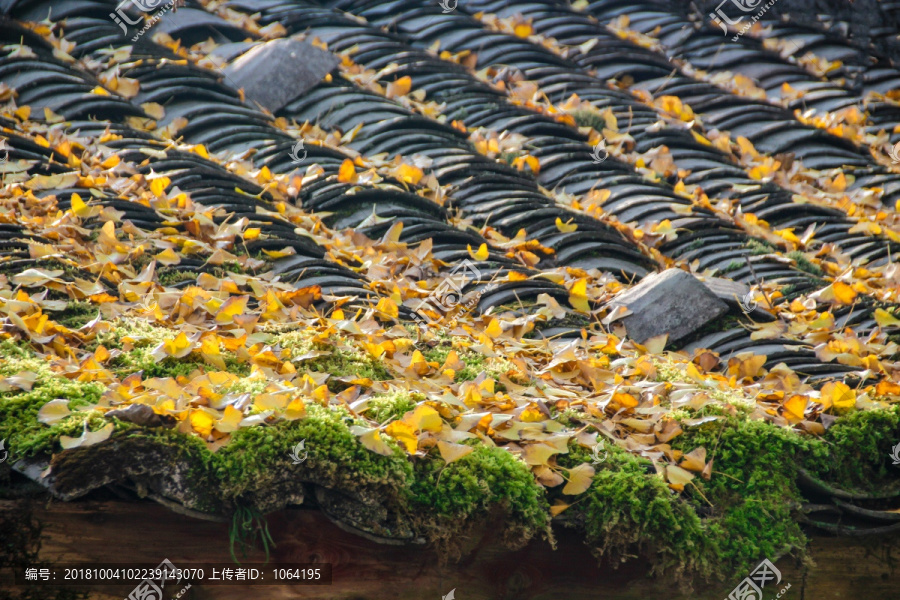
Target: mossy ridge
{"type": "Point", "coordinates": [753, 490]}
{"type": "Point", "coordinates": [475, 363]}
{"type": "Point", "coordinates": [630, 512]}
{"type": "Point", "coordinates": [853, 453]}
{"type": "Point", "coordinates": [19, 424]}
{"type": "Point", "coordinates": [144, 337]}
{"type": "Point", "coordinates": [343, 360]}
{"type": "Point", "coordinates": [628, 509]}
{"type": "Point", "coordinates": [746, 512]}
{"type": "Point", "coordinates": [487, 484]}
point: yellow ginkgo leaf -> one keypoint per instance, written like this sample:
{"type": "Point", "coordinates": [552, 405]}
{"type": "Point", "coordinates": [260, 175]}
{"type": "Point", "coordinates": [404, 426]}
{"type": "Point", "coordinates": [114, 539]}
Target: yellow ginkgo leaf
{"type": "Point", "coordinates": [424, 418]}
{"type": "Point", "coordinates": [168, 257]}
{"type": "Point", "coordinates": [523, 30]}
{"type": "Point", "coordinates": [231, 308]}
{"type": "Point", "coordinates": [403, 433]}
{"type": "Point", "coordinates": [678, 477]}
{"type": "Point", "coordinates": [539, 453]}
{"type": "Point", "coordinates": [886, 319]}
{"type": "Point", "coordinates": [347, 172]}
{"type": "Point", "coordinates": [839, 394]}
{"type": "Point", "coordinates": [567, 227]}
{"type": "Point", "coordinates": [179, 347]}
{"type": "Point", "coordinates": [410, 173]}
{"type": "Point", "coordinates": [578, 296]}
{"type": "Point", "coordinates": [481, 254]}
{"type": "Point", "coordinates": [795, 408]}
{"type": "Point", "coordinates": [388, 307]}
{"type": "Point", "coordinates": [451, 452]}
{"type": "Point", "coordinates": [158, 186]}
{"type": "Point", "coordinates": [230, 421]}
{"type": "Point", "coordinates": [371, 439]}
{"type": "Point", "coordinates": [202, 422]}
{"type": "Point", "coordinates": [400, 87]}
{"type": "Point", "coordinates": [843, 293]}
{"type": "Point", "coordinates": [53, 411]}
{"type": "Point", "coordinates": [558, 507]}
{"type": "Point", "coordinates": [296, 409]}
{"type": "Point", "coordinates": [580, 478]}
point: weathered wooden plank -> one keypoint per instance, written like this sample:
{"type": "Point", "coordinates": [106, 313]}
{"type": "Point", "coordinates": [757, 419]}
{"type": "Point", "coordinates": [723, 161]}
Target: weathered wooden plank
{"type": "Point", "coordinates": [117, 531]}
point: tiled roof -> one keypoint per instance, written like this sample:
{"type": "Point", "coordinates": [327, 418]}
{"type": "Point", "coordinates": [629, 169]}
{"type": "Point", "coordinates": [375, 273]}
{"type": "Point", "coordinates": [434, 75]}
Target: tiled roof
{"type": "Point", "coordinates": [561, 153]}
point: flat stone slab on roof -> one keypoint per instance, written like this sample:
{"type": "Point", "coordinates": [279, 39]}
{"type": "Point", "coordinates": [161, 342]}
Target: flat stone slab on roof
{"type": "Point", "coordinates": [673, 302]}
{"type": "Point", "coordinates": [277, 72]}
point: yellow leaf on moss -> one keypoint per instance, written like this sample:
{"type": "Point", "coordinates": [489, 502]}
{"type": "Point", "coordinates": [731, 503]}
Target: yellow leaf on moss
{"type": "Point", "coordinates": [404, 434]}
{"type": "Point", "coordinates": [451, 452]}
{"type": "Point", "coordinates": [295, 410]}
{"type": "Point", "coordinates": [179, 347]}
{"type": "Point", "coordinates": [580, 478]}
{"type": "Point", "coordinates": [230, 421]}
{"type": "Point", "coordinates": [202, 422]}
{"type": "Point", "coordinates": [371, 439]}
{"type": "Point", "coordinates": [424, 418]}
{"type": "Point", "coordinates": [839, 394]}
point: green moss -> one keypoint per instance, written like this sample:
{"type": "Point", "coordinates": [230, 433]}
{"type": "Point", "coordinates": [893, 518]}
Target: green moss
{"type": "Point", "coordinates": [343, 360]}
{"type": "Point", "coordinates": [385, 407]}
{"type": "Point", "coordinates": [732, 266]}
{"type": "Point", "coordinates": [589, 118]}
{"type": "Point", "coordinates": [487, 480]}
{"type": "Point", "coordinates": [854, 452]}
{"type": "Point", "coordinates": [628, 509]}
{"type": "Point", "coordinates": [510, 157]}
{"type": "Point", "coordinates": [475, 363]}
{"type": "Point", "coordinates": [76, 314]}
{"type": "Point", "coordinates": [172, 276]}
{"type": "Point", "coordinates": [753, 490]}
{"type": "Point", "coordinates": [757, 247]}
{"type": "Point", "coordinates": [19, 410]}
{"type": "Point", "coordinates": [804, 264]}
{"type": "Point", "coordinates": [256, 455]}
{"type": "Point", "coordinates": [745, 512]}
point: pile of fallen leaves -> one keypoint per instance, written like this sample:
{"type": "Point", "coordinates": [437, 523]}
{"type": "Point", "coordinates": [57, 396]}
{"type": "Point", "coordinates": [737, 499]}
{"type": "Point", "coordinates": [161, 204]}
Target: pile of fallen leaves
{"type": "Point", "coordinates": [534, 397]}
